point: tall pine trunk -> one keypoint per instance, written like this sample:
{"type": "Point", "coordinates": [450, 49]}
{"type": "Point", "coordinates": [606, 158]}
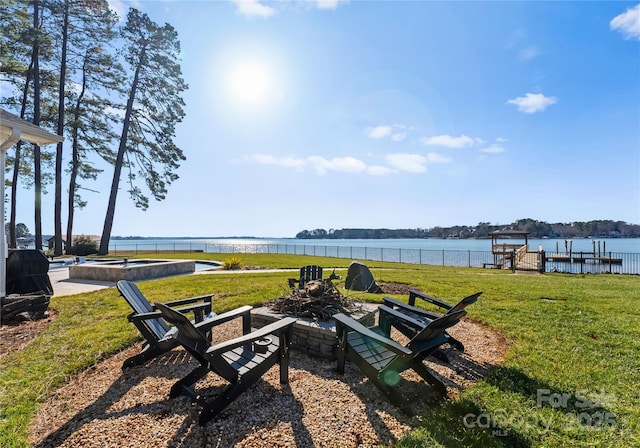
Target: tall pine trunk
{"type": "Point", "coordinates": [122, 149]}
{"type": "Point", "coordinates": [57, 248]}
{"type": "Point", "coordinates": [37, 174]}
{"type": "Point", "coordinates": [16, 166]}
{"type": "Point", "coordinates": [75, 159]}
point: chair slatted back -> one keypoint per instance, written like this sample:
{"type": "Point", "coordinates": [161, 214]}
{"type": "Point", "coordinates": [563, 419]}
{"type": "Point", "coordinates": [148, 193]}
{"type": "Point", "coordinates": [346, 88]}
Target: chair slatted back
{"type": "Point", "coordinates": [308, 273]}
{"type": "Point", "coordinates": [197, 344]}
{"type": "Point", "coordinates": [140, 305]}
{"type": "Point", "coordinates": [435, 328]}
{"type": "Point", "coordinates": [188, 335]}
{"type": "Point", "coordinates": [462, 304]}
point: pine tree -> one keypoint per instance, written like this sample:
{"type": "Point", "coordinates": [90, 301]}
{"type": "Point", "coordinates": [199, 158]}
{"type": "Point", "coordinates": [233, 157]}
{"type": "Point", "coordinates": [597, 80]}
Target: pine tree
{"type": "Point", "coordinates": [26, 49]}
{"type": "Point", "coordinates": [154, 107]}
{"type": "Point", "coordinates": [85, 29]}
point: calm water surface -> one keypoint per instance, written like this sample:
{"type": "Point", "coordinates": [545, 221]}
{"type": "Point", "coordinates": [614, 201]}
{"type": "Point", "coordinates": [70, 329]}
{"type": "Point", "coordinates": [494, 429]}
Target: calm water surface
{"type": "Point", "coordinates": [620, 245]}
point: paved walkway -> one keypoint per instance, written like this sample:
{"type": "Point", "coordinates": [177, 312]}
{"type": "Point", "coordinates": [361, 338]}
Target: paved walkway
{"type": "Point", "coordinates": [64, 286]}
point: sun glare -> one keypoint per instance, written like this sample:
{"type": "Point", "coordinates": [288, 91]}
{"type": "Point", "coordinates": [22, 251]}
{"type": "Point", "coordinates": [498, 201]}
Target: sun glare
{"type": "Point", "coordinates": [250, 83]}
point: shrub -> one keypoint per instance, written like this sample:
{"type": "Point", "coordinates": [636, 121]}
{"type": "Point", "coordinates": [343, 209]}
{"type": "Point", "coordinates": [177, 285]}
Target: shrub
{"type": "Point", "coordinates": [84, 245]}
{"type": "Point", "coordinates": [232, 264]}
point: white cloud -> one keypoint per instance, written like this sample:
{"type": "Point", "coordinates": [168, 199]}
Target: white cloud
{"type": "Point", "coordinates": [378, 170]}
{"type": "Point", "coordinates": [628, 23]}
{"type": "Point", "coordinates": [398, 162]}
{"type": "Point", "coordinates": [378, 132]}
{"type": "Point", "coordinates": [533, 102]}
{"type": "Point", "coordinates": [448, 141]}
{"type": "Point", "coordinates": [258, 8]}
{"type": "Point", "coordinates": [253, 8]}
{"type": "Point", "coordinates": [341, 164]}
{"type": "Point", "coordinates": [287, 162]}
{"type": "Point", "coordinates": [328, 4]}
{"type": "Point", "coordinates": [501, 139]}
{"type": "Point", "coordinates": [409, 163]}
{"type": "Point", "coordinates": [433, 157]}
{"type": "Point", "coordinates": [515, 38]}
{"type": "Point", "coordinates": [529, 53]}
{"type": "Point", "coordinates": [395, 132]}
{"type": "Point", "coordinates": [494, 149]}
{"type": "Point", "coordinates": [120, 7]}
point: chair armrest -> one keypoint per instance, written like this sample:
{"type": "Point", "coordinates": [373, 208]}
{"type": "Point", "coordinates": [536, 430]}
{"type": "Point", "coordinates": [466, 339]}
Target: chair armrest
{"type": "Point", "coordinates": [203, 308]}
{"type": "Point", "coordinates": [354, 325]}
{"type": "Point", "coordinates": [200, 310]}
{"type": "Point", "coordinates": [413, 295]}
{"type": "Point", "coordinates": [275, 328]}
{"type": "Point", "coordinates": [207, 324]}
{"type": "Point", "coordinates": [393, 303]}
{"type": "Point", "coordinates": [387, 312]}
{"type": "Point", "coordinates": [135, 317]}
{"type": "Point", "coordinates": [189, 300]}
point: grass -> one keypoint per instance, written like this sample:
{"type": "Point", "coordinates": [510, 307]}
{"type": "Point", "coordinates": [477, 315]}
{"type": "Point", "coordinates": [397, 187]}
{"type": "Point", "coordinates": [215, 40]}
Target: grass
{"type": "Point", "coordinates": [571, 336]}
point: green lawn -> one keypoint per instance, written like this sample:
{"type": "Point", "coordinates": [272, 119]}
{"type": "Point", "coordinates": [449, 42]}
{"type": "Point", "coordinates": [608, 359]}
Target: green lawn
{"type": "Point", "coordinates": [571, 377]}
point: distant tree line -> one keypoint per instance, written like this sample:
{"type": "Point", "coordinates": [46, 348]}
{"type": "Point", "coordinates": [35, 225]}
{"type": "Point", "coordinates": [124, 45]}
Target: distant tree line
{"type": "Point", "coordinates": [536, 229]}
{"type": "Point", "coordinates": [113, 89]}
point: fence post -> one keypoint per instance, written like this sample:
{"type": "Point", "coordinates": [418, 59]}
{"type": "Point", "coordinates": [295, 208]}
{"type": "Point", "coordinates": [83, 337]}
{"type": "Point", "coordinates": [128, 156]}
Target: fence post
{"type": "Point", "coordinates": [513, 260]}
{"type": "Point", "coordinates": [442, 257]}
{"type": "Point", "coordinates": [543, 261]}
{"type": "Point", "coordinates": [610, 267]}
{"type": "Point", "coordinates": [469, 258]}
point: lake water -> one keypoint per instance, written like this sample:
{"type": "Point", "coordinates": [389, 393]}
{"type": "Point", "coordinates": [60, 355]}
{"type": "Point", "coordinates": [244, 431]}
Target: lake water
{"type": "Point", "coordinates": [617, 245]}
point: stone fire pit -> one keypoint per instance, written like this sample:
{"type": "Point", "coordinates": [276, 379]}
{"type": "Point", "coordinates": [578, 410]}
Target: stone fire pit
{"type": "Point", "coordinates": [314, 332]}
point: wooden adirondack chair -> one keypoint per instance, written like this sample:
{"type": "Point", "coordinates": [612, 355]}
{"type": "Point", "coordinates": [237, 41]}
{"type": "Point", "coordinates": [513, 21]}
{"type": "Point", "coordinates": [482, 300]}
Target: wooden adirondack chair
{"type": "Point", "coordinates": [241, 361]}
{"type": "Point", "coordinates": [382, 359]}
{"type": "Point", "coordinates": [156, 332]}
{"type": "Point", "coordinates": [424, 317]}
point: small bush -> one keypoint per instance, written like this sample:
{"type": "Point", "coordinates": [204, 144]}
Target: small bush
{"type": "Point", "coordinates": [83, 245]}
{"type": "Point", "coordinates": [232, 264]}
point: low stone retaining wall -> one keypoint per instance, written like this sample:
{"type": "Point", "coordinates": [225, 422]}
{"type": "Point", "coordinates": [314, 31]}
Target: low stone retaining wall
{"type": "Point", "coordinates": [135, 269]}
{"type": "Point", "coordinates": [315, 338]}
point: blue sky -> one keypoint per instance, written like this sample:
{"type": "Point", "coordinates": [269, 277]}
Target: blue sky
{"type": "Point", "coordinates": [380, 114]}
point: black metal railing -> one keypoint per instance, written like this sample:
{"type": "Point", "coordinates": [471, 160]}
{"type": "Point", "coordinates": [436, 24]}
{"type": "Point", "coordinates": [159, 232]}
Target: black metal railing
{"type": "Point", "coordinates": [570, 262]}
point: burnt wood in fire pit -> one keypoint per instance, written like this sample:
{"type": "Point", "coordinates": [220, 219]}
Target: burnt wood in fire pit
{"type": "Point", "coordinates": [319, 299]}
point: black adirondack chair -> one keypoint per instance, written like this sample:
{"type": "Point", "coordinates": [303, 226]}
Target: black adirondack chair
{"type": "Point", "coordinates": [155, 330]}
{"type": "Point", "coordinates": [307, 273]}
{"type": "Point", "coordinates": [241, 361]}
{"type": "Point", "coordinates": [382, 359]}
{"type": "Point", "coordinates": [409, 327]}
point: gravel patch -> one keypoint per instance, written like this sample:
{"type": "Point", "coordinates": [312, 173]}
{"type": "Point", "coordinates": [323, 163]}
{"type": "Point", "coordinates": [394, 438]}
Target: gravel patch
{"type": "Point", "coordinates": [105, 406]}
{"type": "Point", "coordinates": [19, 333]}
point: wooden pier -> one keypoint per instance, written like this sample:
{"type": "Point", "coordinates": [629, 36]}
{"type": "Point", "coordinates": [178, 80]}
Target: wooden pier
{"type": "Point", "coordinates": [510, 249]}
{"type": "Point", "coordinates": [583, 257]}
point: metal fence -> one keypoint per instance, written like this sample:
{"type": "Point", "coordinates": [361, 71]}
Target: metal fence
{"type": "Point", "coordinates": [575, 263]}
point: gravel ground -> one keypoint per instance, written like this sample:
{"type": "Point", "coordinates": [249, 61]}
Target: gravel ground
{"type": "Point", "coordinates": [107, 407]}
{"type": "Point", "coordinates": [18, 334]}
